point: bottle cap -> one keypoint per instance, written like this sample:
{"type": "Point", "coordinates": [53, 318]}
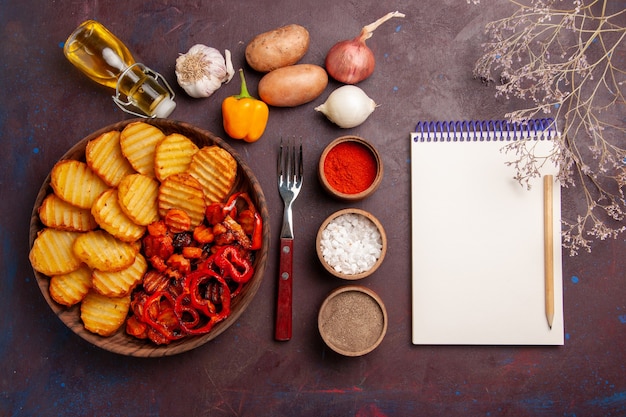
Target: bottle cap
{"type": "Point", "coordinates": [164, 108]}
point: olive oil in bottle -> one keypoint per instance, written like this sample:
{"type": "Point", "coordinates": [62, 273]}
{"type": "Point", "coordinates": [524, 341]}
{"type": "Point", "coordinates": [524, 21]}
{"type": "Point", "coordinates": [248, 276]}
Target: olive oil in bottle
{"type": "Point", "coordinates": [101, 56]}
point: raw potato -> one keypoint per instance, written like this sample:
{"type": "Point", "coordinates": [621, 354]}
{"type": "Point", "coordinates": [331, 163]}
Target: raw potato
{"type": "Point", "coordinates": [277, 48]}
{"type": "Point", "coordinates": [293, 85]}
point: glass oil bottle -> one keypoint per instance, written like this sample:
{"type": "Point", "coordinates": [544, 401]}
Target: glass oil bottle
{"type": "Point", "coordinates": [101, 56]}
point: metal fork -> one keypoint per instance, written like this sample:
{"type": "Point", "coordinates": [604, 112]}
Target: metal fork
{"type": "Point", "coordinates": [289, 185]}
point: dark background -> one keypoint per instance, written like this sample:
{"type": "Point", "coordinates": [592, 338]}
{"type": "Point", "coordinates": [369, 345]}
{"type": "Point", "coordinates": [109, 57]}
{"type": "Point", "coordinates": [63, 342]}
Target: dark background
{"type": "Point", "coordinates": [423, 72]}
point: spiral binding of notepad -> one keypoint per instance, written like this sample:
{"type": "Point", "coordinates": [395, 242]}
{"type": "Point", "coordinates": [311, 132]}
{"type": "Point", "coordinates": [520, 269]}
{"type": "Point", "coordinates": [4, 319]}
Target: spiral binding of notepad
{"type": "Point", "coordinates": [484, 130]}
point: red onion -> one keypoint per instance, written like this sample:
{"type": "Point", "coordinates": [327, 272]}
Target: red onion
{"type": "Point", "coordinates": [352, 61]}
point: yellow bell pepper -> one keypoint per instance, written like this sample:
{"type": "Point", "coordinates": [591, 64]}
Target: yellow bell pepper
{"type": "Point", "coordinates": [244, 116]}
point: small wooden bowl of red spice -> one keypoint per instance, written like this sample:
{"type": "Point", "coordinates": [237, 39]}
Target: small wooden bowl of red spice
{"type": "Point", "coordinates": [350, 168]}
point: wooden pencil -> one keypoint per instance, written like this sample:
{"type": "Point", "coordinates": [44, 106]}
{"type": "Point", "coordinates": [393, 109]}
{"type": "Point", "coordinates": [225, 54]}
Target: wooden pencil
{"type": "Point", "coordinates": [548, 246]}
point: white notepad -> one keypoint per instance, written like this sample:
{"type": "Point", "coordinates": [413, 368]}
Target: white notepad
{"type": "Point", "coordinates": [478, 238]}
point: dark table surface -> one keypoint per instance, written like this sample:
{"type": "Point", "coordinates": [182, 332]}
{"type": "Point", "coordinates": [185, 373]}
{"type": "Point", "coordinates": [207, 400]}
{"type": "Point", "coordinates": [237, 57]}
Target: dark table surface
{"type": "Point", "coordinates": [423, 72]}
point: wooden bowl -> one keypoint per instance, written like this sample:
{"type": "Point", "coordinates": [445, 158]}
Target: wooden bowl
{"type": "Point", "coordinates": [330, 268]}
{"type": "Point", "coordinates": [120, 342]}
{"type": "Point", "coordinates": [348, 167]}
{"type": "Point", "coordinates": [352, 320]}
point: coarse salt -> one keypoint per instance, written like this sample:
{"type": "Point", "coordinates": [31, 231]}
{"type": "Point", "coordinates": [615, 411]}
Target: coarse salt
{"type": "Point", "coordinates": [351, 244]}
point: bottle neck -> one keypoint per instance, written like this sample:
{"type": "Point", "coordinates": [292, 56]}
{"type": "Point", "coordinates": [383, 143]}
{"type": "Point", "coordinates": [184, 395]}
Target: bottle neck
{"type": "Point", "coordinates": [114, 60]}
{"type": "Point", "coordinates": [140, 86]}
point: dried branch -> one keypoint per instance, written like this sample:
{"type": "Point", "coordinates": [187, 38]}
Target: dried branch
{"type": "Point", "coordinates": [568, 61]}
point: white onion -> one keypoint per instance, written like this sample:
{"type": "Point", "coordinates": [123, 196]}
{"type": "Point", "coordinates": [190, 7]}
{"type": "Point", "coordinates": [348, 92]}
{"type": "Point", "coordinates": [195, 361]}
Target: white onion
{"type": "Point", "coordinates": [348, 106]}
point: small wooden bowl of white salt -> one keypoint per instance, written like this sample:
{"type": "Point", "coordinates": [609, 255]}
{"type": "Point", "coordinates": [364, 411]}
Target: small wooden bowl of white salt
{"type": "Point", "coordinates": [351, 244]}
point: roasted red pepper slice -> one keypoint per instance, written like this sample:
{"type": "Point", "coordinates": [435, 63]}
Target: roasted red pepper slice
{"type": "Point", "coordinates": [256, 241]}
{"type": "Point", "coordinates": [215, 213]}
{"type": "Point", "coordinates": [256, 237]}
{"type": "Point", "coordinates": [159, 314]}
{"type": "Point", "coordinates": [230, 207]}
{"type": "Point", "coordinates": [198, 330]}
{"type": "Point", "coordinates": [218, 213]}
{"type": "Point", "coordinates": [202, 326]}
{"type": "Point", "coordinates": [204, 302]}
{"type": "Point", "coordinates": [235, 288]}
{"type": "Point", "coordinates": [187, 315]}
{"type": "Point", "coordinates": [208, 263]}
{"type": "Point", "coordinates": [136, 328]}
{"type": "Point", "coordinates": [233, 265]}
{"type": "Point", "coordinates": [201, 283]}
{"type": "Point", "coordinates": [237, 232]}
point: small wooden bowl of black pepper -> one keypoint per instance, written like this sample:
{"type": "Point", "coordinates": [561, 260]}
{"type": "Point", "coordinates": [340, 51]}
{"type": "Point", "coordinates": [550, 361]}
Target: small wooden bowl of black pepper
{"type": "Point", "coordinates": [352, 320]}
{"type": "Point", "coordinates": [350, 168]}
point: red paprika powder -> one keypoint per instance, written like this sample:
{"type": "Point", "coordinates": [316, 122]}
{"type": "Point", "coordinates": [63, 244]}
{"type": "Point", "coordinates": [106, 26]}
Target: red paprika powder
{"type": "Point", "coordinates": [350, 167]}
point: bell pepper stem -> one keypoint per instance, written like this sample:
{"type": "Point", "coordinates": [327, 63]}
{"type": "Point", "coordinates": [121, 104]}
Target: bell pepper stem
{"type": "Point", "coordinates": [244, 87]}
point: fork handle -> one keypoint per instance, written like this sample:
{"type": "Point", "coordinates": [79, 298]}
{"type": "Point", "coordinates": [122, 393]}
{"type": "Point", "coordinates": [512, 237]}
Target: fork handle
{"type": "Point", "coordinates": [285, 291]}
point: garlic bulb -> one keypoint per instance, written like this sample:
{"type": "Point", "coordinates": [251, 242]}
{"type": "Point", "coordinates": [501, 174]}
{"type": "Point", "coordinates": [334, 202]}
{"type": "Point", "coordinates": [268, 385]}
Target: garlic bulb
{"type": "Point", "coordinates": [202, 70]}
{"type": "Point", "coordinates": [347, 106]}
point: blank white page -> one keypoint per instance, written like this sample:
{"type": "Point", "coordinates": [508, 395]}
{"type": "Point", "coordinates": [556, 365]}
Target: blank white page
{"type": "Point", "coordinates": [477, 247]}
